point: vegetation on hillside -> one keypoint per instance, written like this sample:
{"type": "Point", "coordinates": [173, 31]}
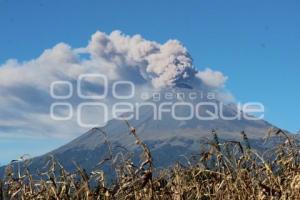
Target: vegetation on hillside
{"type": "Point", "coordinates": [222, 170]}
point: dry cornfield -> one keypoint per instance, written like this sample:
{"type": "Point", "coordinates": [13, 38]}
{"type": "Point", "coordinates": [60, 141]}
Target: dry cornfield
{"type": "Point", "coordinates": [222, 170]}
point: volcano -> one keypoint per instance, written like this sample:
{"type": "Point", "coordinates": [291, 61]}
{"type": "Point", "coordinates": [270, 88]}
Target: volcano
{"type": "Point", "coordinates": [168, 139]}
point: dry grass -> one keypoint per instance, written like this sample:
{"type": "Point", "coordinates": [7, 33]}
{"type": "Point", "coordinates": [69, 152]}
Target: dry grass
{"type": "Point", "coordinates": [228, 170]}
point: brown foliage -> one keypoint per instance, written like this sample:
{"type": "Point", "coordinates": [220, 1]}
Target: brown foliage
{"type": "Point", "coordinates": [226, 170]}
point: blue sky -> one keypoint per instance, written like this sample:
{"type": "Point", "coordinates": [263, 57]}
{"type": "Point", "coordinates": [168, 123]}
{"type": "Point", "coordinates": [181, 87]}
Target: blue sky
{"type": "Point", "coordinates": [255, 43]}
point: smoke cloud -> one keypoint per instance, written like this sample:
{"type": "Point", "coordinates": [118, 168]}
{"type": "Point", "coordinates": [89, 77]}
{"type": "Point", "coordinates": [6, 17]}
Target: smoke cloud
{"type": "Point", "coordinates": [24, 86]}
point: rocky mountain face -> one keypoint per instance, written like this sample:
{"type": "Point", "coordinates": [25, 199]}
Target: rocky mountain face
{"type": "Point", "coordinates": [169, 139]}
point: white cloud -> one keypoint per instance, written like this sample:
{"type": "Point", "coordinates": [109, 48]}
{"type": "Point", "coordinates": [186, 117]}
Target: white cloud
{"type": "Point", "coordinates": [24, 86]}
{"type": "Point", "coordinates": [214, 79]}
{"type": "Point", "coordinates": [135, 57]}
